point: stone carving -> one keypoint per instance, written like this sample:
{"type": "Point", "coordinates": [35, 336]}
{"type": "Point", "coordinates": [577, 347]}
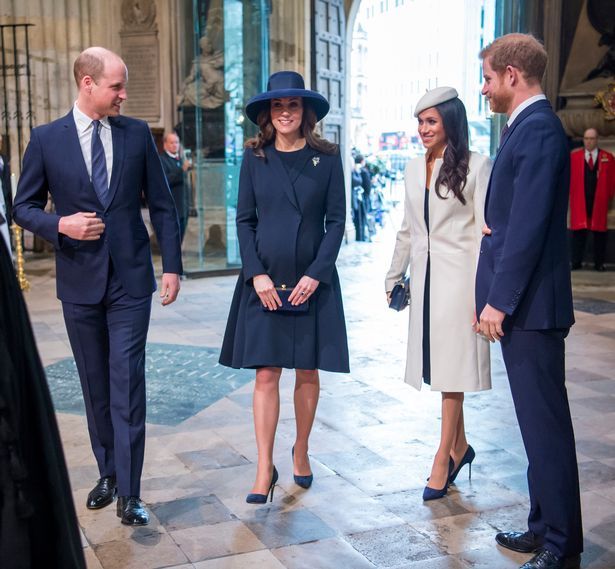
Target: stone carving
{"type": "Point", "coordinates": [601, 14]}
{"type": "Point", "coordinates": [606, 99]}
{"type": "Point", "coordinates": [204, 86]}
{"type": "Point", "coordinates": [139, 16]}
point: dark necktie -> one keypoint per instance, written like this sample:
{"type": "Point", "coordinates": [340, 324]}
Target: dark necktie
{"type": "Point", "coordinates": [99, 165]}
{"type": "Point", "coordinates": [590, 162]}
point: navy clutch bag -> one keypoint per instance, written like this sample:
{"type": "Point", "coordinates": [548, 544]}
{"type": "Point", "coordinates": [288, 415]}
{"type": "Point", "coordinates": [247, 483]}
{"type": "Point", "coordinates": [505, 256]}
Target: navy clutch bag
{"type": "Point", "coordinates": [400, 295]}
{"type": "Point", "coordinates": [284, 292]}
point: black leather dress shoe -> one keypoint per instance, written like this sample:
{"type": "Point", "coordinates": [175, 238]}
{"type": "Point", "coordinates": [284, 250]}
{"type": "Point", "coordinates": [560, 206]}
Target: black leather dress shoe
{"type": "Point", "coordinates": [526, 542]}
{"type": "Point", "coordinates": [132, 511]}
{"type": "Point", "coordinates": [600, 268]}
{"type": "Point", "coordinates": [102, 494]}
{"type": "Point", "coordinates": [576, 266]}
{"type": "Point", "coordinates": [544, 559]}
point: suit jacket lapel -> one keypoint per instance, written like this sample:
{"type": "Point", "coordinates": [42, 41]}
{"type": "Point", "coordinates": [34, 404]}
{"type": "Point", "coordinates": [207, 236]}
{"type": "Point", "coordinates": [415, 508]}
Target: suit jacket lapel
{"type": "Point", "coordinates": [522, 116]}
{"type": "Point", "coordinates": [117, 136]}
{"type": "Point", "coordinates": [74, 147]}
{"type": "Point", "coordinates": [281, 174]}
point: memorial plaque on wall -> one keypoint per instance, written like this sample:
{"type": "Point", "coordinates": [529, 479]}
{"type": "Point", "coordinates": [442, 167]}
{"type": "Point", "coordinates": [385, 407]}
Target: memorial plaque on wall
{"type": "Point", "coordinates": [140, 51]}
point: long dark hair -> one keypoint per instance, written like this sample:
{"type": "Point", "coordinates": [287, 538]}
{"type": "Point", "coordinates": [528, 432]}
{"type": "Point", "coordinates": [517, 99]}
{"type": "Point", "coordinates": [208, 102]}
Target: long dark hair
{"type": "Point", "coordinates": [456, 160]}
{"type": "Point", "coordinates": [266, 133]}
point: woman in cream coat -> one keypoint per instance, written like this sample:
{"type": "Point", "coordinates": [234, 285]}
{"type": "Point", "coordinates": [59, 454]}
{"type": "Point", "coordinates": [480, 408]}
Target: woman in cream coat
{"type": "Point", "coordinates": [438, 244]}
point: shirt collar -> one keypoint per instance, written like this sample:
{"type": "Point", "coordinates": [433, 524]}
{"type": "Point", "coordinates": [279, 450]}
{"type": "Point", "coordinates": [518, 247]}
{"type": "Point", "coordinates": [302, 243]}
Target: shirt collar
{"type": "Point", "coordinates": [593, 153]}
{"type": "Point", "coordinates": [174, 156]}
{"type": "Point", "coordinates": [84, 122]}
{"type": "Point", "coordinates": [524, 105]}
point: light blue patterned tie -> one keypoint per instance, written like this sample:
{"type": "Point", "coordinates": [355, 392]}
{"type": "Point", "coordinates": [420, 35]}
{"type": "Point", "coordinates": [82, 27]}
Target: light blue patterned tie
{"type": "Point", "coordinates": [99, 165]}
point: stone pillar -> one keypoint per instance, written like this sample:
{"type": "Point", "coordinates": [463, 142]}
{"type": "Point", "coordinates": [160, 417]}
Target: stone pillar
{"type": "Point", "coordinates": [552, 33]}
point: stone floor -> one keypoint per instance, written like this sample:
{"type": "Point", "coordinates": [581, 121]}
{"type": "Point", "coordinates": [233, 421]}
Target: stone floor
{"type": "Point", "coordinates": [371, 448]}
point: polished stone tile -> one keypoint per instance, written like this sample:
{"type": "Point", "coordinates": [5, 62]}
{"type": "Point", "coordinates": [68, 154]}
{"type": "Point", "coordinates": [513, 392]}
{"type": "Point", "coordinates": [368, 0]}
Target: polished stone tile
{"type": "Point", "coordinates": [143, 551]}
{"type": "Point", "coordinates": [391, 547]}
{"type": "Point", "coordinates": [322, 554]}
{"type": "Point", "coordinates": [457, 533]}
{"type": "Point", "coordinates": [410, 506]}
{"type": "Point", "coordinates": [221, 456]}
{"type": "Point", "coordinates": [277, 529]}
{"type": "Point", "coordinates": [217, 540]}
{"type": "Point", "coordinates": [256, 560]}
{"type": "Point", "coordinates": [190, 512]}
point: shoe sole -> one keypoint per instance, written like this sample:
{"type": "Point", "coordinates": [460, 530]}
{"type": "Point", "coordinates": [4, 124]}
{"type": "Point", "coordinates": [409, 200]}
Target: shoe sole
{"type": "Point", "coordinates": [519, 550]}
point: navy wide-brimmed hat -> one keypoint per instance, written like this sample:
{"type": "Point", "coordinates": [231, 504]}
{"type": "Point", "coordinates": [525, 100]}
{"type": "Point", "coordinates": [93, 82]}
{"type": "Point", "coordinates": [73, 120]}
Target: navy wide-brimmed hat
{"type": "Point", "coordinates": [286, 84]}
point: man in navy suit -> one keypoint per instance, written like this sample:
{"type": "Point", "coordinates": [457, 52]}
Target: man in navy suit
{"type": "Point", "coordinates": [96, 165]}
{"type": "Point", "coordinates": [524, 296]}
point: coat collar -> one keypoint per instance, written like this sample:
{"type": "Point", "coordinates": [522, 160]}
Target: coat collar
{"type": "Point", "coordinates": [281, 173]}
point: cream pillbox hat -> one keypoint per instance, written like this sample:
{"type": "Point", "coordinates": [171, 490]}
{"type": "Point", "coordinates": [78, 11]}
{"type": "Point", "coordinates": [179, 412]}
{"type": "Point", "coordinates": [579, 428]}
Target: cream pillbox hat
{"type": "Point", "coordinates": [435, 97]}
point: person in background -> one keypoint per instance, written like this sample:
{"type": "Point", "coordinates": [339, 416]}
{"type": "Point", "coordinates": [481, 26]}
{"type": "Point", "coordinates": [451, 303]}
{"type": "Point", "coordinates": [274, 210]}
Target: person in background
{"type": "Point", "coordinates": [438, 243]}
{"type": "Point", "coordinates": [592, 186]}
{"type": "Point", "coordinates": [5, 183]}
{"type": "Point", "coordinates": [361, 187]}
{"type": "Point", "coordinates": [175, 168]}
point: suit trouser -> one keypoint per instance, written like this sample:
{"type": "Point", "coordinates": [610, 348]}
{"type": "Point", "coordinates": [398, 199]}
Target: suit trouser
{"type": "Point", "coordinates": [535, 365]}
{"type": "Point", "coordinates": [108, 343]}
{"type": "Point", "coordinates": [579, 239]}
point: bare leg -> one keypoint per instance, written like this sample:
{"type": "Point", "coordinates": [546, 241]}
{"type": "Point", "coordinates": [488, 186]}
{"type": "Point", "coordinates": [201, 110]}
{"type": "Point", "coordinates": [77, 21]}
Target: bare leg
{"type": "Point", "coordinates": [307, 390]}
{"type": "Point", "coordinates": [452, 404]}
{"type": "Point", "coordinates": [460, 444]}
{"type": "Point", "coordinates": [266, 406]}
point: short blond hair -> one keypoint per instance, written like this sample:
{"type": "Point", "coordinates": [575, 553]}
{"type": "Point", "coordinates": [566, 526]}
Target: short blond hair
{"type": "Point", "coordinates": [91, 62]}
{"type": "Point", "coordinates": [522, 51]}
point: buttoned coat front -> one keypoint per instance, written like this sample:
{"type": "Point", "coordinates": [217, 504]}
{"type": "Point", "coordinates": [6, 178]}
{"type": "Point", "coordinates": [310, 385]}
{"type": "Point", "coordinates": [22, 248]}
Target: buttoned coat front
{"type": "Point", "coordinates": [459, 358]}
{"type": "Point", "coordinates": [288, 228]}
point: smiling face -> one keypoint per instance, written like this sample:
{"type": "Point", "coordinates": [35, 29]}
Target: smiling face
{"type": "Point", "coordinates": [106, 95]}
{"type": "Point", "coordinates": [287, 114]}
{"type": "Point", "coordinates": [497, 89]}
{"type": "Point", "coordinates": [431, 130]}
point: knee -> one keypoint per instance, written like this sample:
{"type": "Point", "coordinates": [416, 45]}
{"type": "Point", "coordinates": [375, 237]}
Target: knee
{"type": "Point", "coordinates": [267, 379]}
{"type": "Point", "coordinates": [306, 375]}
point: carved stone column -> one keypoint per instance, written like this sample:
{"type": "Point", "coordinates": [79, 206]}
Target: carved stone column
{"type": "Point", "coordinates": [552, 40]}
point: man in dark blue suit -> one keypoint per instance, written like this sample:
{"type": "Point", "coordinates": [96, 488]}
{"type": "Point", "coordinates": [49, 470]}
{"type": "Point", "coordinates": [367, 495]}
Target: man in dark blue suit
{"type": "Point", "coordinates": [96, 165]}
{"type": "Point", "coordinates": [524, 296]}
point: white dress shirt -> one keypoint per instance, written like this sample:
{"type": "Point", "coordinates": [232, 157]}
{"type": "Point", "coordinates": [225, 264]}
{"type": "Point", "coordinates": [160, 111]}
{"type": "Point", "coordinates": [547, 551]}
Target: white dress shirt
{"type": "Point", "coordinates": [84, 131]}
{"type": "Point", "coordinates": [594, 155]}
{"type": "Point", "coordinates": [522, 106]}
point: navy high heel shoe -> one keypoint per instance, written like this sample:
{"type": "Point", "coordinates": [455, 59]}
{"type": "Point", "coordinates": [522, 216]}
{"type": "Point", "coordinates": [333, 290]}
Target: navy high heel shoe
{"type": "Point", "coordinates": [434, 493]}
{"type": "Point", "coordinates": [468, 457]}
{"type": "Point", "coordinates": [262, 498]}
{"type": "Point", "coordinates": [303, 481]}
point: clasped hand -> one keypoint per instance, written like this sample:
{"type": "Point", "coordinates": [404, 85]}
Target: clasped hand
{"type": "Point", "coordinates": [264, 287]}
{"type": "Point", "coordinates": [84, 226]}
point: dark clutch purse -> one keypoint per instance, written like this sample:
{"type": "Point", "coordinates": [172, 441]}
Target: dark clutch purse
{"type": "Point", "coordinates": [284, 292]}
{"type": "Point", "coordinates": [400, 295]}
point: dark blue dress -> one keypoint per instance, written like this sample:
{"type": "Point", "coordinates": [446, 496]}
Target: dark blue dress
{"type": "Point", "coordinates": [290, 222]}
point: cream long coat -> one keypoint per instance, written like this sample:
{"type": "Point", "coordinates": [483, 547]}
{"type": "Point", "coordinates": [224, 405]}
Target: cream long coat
{"type": "Point", "coordinates": [459, 357]}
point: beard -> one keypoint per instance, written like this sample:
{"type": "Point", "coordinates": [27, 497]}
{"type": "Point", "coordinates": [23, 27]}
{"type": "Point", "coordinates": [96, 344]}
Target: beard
{"type": "Point", "coordinates": [499, 103]}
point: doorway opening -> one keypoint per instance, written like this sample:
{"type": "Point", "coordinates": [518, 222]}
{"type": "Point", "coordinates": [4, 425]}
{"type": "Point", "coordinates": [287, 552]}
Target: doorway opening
{"type": "Point", "coordinates": [401, 49]}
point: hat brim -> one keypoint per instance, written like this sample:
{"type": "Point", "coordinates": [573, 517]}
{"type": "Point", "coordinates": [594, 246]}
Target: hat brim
{"type": "Point", "coordinates": [258, 102]}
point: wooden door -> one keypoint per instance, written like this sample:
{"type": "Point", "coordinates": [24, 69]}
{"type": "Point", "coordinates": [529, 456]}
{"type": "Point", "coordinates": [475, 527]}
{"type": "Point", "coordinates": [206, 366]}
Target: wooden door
{"type": "Point", "coordinates": [328, 64]}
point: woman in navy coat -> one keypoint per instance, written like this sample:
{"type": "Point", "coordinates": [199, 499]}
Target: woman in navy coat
{"type": "Point", "coordinates": [287, 307]}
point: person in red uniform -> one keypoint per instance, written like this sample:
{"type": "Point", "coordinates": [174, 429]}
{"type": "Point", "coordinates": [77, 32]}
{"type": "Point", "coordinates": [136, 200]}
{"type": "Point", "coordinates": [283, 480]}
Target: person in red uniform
{"type": "Point", "coordinates": [592, 185]}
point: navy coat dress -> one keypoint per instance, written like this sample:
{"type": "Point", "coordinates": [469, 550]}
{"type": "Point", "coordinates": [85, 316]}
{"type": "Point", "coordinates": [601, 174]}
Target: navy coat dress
{"type": "Point", "coordinates": [288, 228]}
